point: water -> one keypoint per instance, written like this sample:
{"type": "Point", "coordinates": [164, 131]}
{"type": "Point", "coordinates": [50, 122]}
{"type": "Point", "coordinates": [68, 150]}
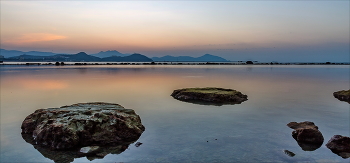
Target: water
{"type": "Point", "coordinates": [254, 131]}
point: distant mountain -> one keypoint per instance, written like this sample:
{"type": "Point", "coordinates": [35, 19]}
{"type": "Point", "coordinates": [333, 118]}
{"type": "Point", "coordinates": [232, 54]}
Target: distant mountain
{"type": "Point", "coordinates": [13, 53]}
{"type": "Point", "coordinates": [204, 58]}
{"type": "Point", "coordinates": [82, 56]}
{"type": "Point", "coordinates": [131, 58]}
{"type": "Point", "coordinates": [28, 57]}
{"type": "Point", "coordinates": [109, 53]}
{"type": "Point", "coordinates": [79, 57]}
{"type": "Point", "coordinates": [210, 58]}
{"type": "Point", "coordinates": [107, 56]}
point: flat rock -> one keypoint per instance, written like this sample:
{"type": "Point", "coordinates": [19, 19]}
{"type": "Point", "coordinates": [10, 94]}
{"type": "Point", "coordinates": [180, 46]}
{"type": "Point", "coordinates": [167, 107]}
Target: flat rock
{"type": "Point", "coordinates": [209, 95]}
{"type": "Point", "coordinates": [342, 95]}
{"type": "Point", "coordinates": [83, 124]}
{"type": "Point", "coordinates": [339, 145]}
{"type": "Point", "coordinates": [307, 135]}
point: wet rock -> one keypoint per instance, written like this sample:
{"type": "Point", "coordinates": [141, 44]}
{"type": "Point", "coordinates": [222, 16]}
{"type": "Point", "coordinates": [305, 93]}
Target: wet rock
{"type": "Point", "coordinates": [138, 144]}
{"type": "Point", "coordinates": [289, 153]}
{"type": "Point", "coordinates": [209, 96]}
{"type": "Point", "coordinates": [339, 145]}
{"type": "Point", "coordinates": [342, 95]}
{"type": "Point", "coordinates": [83, 124]}
{"type": "Point", "coordinates": [307, 135]}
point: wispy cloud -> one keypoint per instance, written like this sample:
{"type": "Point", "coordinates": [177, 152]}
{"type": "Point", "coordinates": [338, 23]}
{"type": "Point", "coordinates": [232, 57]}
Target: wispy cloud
{"type": "Point", "coordinates": [34, 37]}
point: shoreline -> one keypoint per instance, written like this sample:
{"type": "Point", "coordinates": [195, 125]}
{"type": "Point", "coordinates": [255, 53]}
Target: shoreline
{"type": "Point", "coordinates": [166, 63]}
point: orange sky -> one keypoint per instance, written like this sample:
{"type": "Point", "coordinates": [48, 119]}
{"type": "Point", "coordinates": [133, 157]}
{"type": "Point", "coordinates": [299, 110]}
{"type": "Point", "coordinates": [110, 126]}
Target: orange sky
{"type": "Point", "coordinates": [174, 27]}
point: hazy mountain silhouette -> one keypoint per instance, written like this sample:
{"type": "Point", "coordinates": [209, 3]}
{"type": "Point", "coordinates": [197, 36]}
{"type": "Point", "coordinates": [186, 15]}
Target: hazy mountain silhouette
{"type": "Point", "coordinates": [13, 53]}
{"type": "Point", "coordinates": [131, 58]}
{"type": "Point", "coordinates": [112, 56]}
{"type": "Point", "coordinates": [109, 53]}
{"type": "Point", "coordinates": [204, 58]}
{"type": "Point", "coordinates": [82, 56]}
{"type": "Point", "coordinates": [79, 57]}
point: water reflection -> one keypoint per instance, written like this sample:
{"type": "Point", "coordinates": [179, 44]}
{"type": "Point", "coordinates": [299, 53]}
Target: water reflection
{"type": "Point", "coordinates": [344, 155]}
{"type": "Point", "coordinates": [199, 102]}
{"type": "Point", "coordinates": [178, 131]}
{"type": "Point", "coordinates": [308, 146]}
{"type": "Point", "coordinates": [68, 156]}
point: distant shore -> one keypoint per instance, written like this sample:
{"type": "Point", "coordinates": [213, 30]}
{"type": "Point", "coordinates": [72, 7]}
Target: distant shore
{"type": "Point", "coordinates": [170, 63]}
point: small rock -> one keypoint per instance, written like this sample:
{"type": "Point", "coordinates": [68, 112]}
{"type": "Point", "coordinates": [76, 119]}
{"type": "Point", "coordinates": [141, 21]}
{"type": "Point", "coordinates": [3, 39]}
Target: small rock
{"type": "Point", "coordinates": [209, 96]}
{"type": "Point", "coordinates": [339, 145]}
{"type": "Point", "coordinates": [342, 95]}
{"type": "Point", "coordinates": [289, 153]}
{"type": "Point", "coordinates": [307, 135]}
{"type": "Point", "coordinates": [138, 144]}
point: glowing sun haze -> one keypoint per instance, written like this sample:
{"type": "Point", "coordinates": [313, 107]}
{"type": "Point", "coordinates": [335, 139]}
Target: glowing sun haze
{"type": "Point", "coordinates": [259, 30]}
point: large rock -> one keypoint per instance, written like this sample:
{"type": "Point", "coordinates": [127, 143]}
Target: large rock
{"type": "Point", "coordinates": [307, 135]}
{"type": "Point", "coordinates": [209, 95]}
{"type": "Point", "coordinates": [342, 95]}
{"type": "Point", "coordinates": [339, 145]}
{"type": "Point", "coordinates": [83, 124]}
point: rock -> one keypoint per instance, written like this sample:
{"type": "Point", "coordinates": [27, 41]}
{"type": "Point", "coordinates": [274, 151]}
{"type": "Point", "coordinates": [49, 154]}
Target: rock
{"type": "Point", "coordinates": [289, 153]}
{"type": "Point", "coordinates": [138, 144]}
{"type": "Point", "coordinates": [342, 95]}
{"type": "Point", "coordinates": [209, 96]}
{"type": "Point", "coordinates": [339, 145]}
{"type": "Point", "coordinates": [307, 135]}
{"type": "Point", "coordinates": [83, 124]}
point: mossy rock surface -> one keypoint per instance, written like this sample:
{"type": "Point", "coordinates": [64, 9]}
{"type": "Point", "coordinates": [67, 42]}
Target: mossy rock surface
{"type": "Point", "coordinates": [209, 96]}
{"type": "Point", "coordinates": [83, 124]}
{"type": "Point", "coordinates": [343, 95]}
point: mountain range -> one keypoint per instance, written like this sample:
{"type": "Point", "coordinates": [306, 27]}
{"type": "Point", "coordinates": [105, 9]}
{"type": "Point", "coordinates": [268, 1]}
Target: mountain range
{"type": "Point", "coordinates": [103, 56]}
{"type": "Point", "coordinates": [204, 58]}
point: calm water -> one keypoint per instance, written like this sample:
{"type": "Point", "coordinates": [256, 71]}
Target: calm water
{"type": "Point", "coordinates": [254, 131]}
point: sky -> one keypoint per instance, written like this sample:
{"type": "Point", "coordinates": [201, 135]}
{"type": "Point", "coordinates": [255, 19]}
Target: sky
{"type": "Point", "coordinates": [309, 31]}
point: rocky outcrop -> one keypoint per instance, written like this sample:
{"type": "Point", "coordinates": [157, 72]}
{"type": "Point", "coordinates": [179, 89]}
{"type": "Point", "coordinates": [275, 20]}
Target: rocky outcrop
{"type": "Point", "coordinates": [209, 95]}
{"type": "Point", "coordinates": [307, 135]}
{"type": "Point", "coordinates": [339, 145]}
{"type": "Point", "coordinates": [83, 124]}
{"type": "Point", "coordinates": [342, 95]}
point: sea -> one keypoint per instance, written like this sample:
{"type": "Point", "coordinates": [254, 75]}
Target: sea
{"type": "Point", "coordinates": [176, 131]}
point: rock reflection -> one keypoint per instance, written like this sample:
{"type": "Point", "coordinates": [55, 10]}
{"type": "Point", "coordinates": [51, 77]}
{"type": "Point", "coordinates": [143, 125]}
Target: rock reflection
{"type": "Point", "coordinates": [199, 102]}
{"type": "Point", "coordinates": [67, 156]}
{"type": "Point", "coordinates": [309, 146]}
{"type": "Point", "coordinates": [344, 155]}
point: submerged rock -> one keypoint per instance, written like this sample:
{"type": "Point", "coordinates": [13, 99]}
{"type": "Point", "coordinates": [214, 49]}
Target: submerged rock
{"type": "Point", "coordinates": [209, 95]}
{"type": "Point", "coordinates": [83, 124]}
{"type": "Point", "coordinates": [342, 95]}
{"type": "Point", "coordinates": [307, 135]}
{"type": "Point", "coordinates": [339, 145]}
{"type": "Point", "coordinates": [289, 153]}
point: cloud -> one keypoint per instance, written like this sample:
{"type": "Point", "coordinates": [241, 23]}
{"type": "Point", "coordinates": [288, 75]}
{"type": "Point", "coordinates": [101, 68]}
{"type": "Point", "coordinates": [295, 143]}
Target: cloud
{"type": "Point", "coordinates": [34, 37]}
